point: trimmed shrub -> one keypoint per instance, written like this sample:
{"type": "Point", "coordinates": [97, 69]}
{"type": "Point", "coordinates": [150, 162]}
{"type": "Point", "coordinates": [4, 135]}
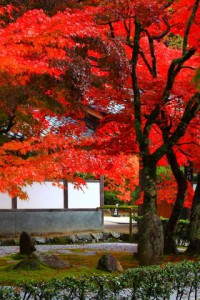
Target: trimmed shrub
{"type": "Point", "coordinates": [142, 283]}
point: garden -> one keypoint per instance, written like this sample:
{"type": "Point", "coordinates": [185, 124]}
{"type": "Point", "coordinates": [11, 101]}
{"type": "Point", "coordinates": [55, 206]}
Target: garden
{"type": "Point", "coordinates": [109, 89]}
{"type": "Point", "coordinates": [79, 276]}
{"type": "Point", "coordinates": [177, 277]}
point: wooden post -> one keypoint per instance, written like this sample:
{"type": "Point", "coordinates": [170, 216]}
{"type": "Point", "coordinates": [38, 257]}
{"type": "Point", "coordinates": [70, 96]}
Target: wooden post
{"type": "Point", "coordinates": [130, 226]}
{"type": "Point", "coordinates": [14, 203]}
{"type": "Point", "coordinates": [65, 195]}
{"type": "Point", "coordinates": [101, 190]}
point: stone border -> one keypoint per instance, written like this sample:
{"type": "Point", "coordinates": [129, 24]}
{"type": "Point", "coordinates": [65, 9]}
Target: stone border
{"type": "Point", "coordinates": [79, 238]}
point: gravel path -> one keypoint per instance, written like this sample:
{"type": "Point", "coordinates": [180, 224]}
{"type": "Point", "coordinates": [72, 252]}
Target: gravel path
{"type": "Point", "coordinates": [124, 247]}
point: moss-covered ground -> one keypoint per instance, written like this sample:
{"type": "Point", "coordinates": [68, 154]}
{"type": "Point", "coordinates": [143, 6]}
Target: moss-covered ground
{"type": "Point", "coordinates": [83, 262]}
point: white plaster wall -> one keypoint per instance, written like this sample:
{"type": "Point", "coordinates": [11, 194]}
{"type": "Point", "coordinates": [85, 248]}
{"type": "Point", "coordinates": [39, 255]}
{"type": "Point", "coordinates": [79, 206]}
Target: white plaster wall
{"type": "Point", "coordinates": [87, 197]}
{"type": "Point", "coordinates": [42, 196]}
{"type": "Point", "coordinates": [5, 201]}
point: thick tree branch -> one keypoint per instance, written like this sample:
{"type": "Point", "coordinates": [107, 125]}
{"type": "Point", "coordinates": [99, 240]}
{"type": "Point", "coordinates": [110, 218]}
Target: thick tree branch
{"type": "Point", "coordinates": [173, 71]}
{"type": "Point", "coordinates": [151, 120]}
{"type": "Point", "coordinates": [193, 247]}
{"type": "Point", "coordinates": [169, 244]}
{"type": "Point", "coordinates": [191, 110]}
{"type": "Point", "coordinates": [136, 90]}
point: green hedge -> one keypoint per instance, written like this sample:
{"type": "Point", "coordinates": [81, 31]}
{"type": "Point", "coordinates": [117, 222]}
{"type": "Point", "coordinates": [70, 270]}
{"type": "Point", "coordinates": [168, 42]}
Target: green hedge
{"type": "Point", "coordinates": [182, 231]}
{"type": "Point", "coordinates": [111, 198]}
{"type": "Point", "coordinates": [143, 283]}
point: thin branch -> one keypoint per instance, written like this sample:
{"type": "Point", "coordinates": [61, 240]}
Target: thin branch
{"type": "Point", "coordinates": [158, 37]}
{"type": "Point", "coordinates": [93, 58]}
{"type": "Point", "coordinates": [128, 31]}
{"type": "Point", "coordinates": [10, 124]}
{"type": "Point", "coordinates": [188, 67]}
{"type": "Point", "coordinates": [111, 30]}
{"type": "Point", "coordinates": [147, 63]}
{"type": "Point", "coordinates": [109, 21]}
{"type": "Point", "coordinates": [168, 4]}
{"type": "Point", "coordinates": [127, 28]}
{"type": "Point", "coordinates": [152, 69]}
{"type": "Point", "coordinates": [189, 24]}
{"type": "Point", "coordinates": [184, 153]}
{"type": "Point", "coordinates": [188, 143]}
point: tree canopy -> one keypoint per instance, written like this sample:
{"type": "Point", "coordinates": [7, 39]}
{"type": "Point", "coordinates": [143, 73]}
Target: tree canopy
{"type": "Point", "coordinates": [136, 62]}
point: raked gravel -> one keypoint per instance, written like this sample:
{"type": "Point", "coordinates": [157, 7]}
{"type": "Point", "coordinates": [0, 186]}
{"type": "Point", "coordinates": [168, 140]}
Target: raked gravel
{"type": "Point", "coordinates": [124, 247]}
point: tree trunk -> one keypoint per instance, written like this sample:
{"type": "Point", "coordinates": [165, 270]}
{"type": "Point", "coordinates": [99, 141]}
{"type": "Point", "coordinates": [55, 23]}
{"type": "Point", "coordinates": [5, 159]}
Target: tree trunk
{"type": "Point", "coordinates": [194, 246]}
{"type": "Point", "coordinates": [170, 228]}
{"type": "Point", "coordinates": [150, 231]}
{"type": "Point", "coordinates": [149, 184]}
{"type": "Point", "coordinates": [151, 240]}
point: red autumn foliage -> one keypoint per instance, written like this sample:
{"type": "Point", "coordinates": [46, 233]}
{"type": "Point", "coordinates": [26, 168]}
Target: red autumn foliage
{"type": "Point", "coordinates": [56, 60]}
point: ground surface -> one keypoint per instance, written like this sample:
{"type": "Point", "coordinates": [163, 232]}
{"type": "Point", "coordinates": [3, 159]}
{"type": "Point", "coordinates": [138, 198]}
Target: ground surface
{"type": "Point", "coordinates": [118, 224]}
{"type": "Point", "coordinates": [122, 247]}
